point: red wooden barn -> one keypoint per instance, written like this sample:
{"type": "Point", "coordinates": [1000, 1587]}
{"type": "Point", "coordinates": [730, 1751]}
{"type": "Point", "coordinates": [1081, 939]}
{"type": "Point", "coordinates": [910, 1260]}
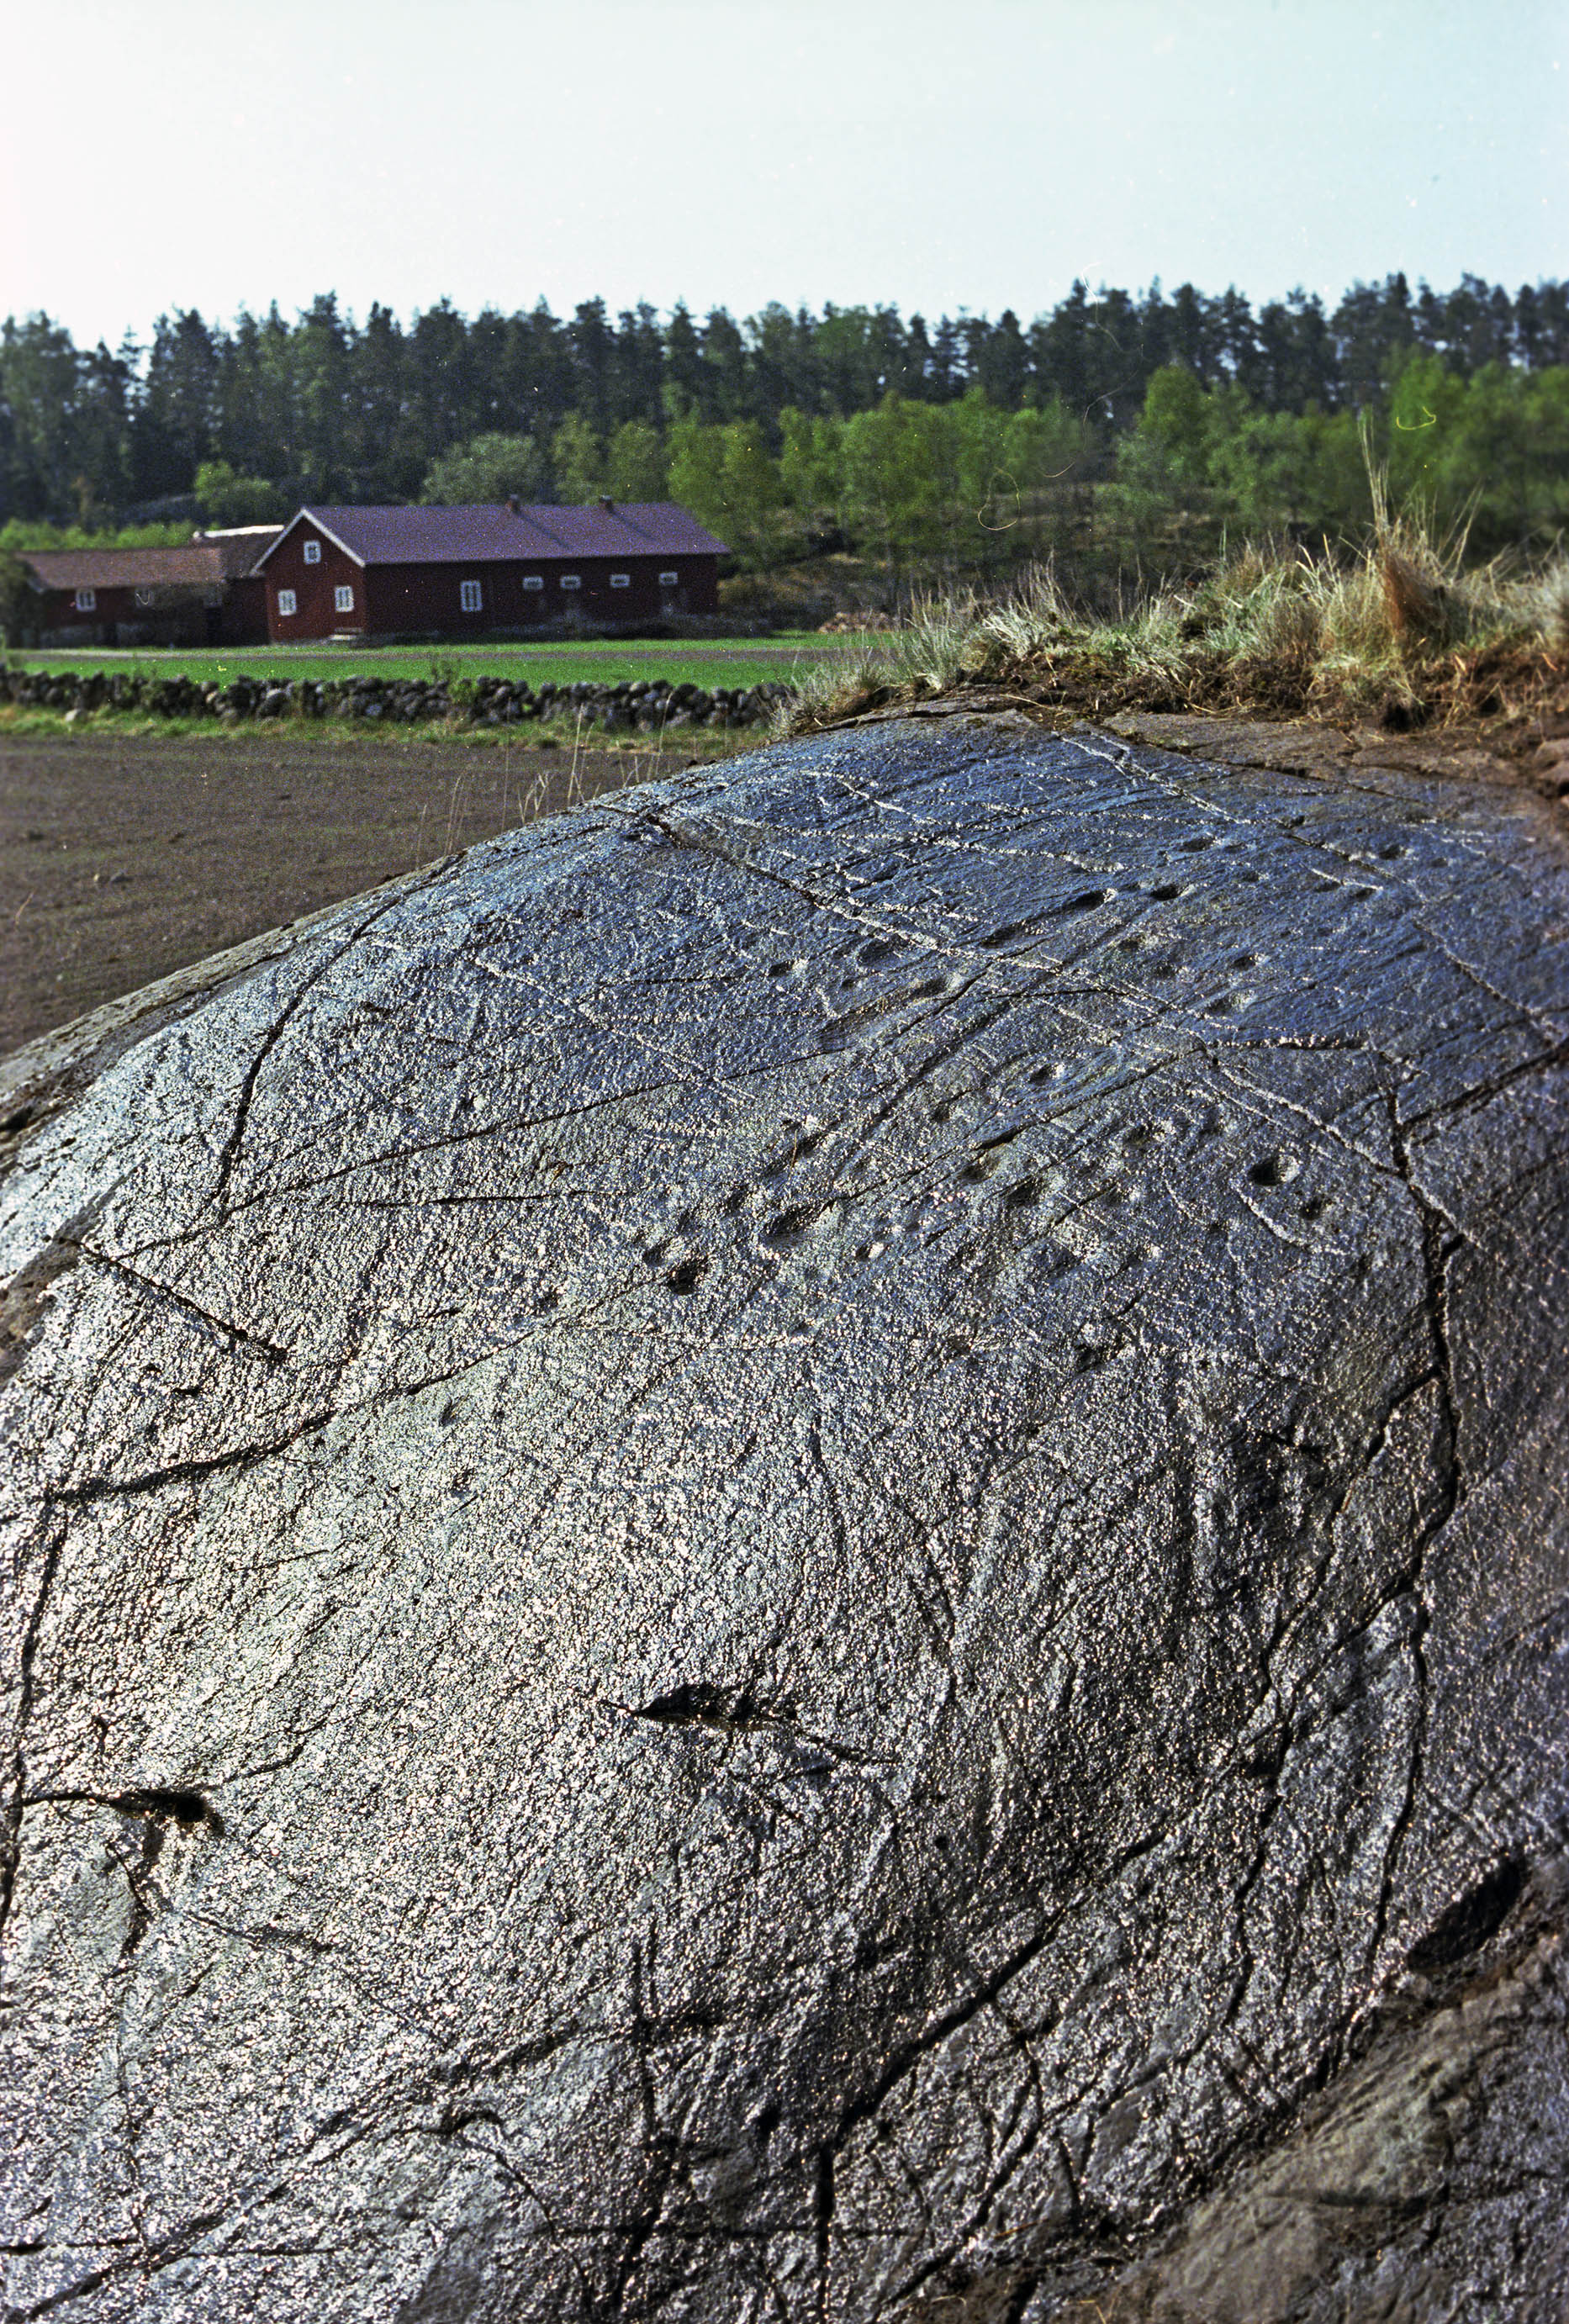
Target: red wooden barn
{"type": "Point", "coordinates": [465, 572]}
{"type": "Point", "coordinates": [200, 593]}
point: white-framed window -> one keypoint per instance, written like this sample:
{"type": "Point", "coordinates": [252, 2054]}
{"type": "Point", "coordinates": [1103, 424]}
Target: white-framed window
{"type": "Point", "coordinates": [143, 596]}
{"type": "Point", "coordinates": [621, 580]}
{"type": "Point", "coordinates": [533, 580]}
{"type": "Point", "coordinates": [571, 581]}
{"type": "Point", "coordinates": [343, 598]}
{"type": "Point", "coordinates": [313, 552]}
{"type": "Point", "coordinates": [668, 580]}
{"type": "Point", "coordinates": [86, 599]}
{"type": "Point", "coordinates": [286, 601]}
{"type": "Point", "coordinates": [471, 596]}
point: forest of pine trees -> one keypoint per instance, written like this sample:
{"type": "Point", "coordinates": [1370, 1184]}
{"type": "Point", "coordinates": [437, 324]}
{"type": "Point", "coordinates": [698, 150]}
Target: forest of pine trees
{"type": "Point", "coordinates": [954, 446]}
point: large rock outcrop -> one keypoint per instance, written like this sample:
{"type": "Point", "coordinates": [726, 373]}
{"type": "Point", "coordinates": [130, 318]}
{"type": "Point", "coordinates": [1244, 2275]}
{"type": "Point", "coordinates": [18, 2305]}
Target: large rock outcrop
{"type": "Point", "coordinates": [796, 1552]}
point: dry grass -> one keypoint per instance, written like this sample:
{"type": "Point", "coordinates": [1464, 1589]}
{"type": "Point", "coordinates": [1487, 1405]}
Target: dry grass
{"type": "Point", "coordinates": [1398, 629]}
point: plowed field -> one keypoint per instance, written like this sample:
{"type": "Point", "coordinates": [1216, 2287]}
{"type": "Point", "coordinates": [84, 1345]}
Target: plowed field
{"type": "Point", "coordinates": [121, 862]}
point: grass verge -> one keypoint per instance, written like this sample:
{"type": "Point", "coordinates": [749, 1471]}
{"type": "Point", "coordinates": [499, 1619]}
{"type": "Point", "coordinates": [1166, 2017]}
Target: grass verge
{"type": "Point", "coordinates": [718, 662]}
{"type": "Point", "coordinates": [551, 738]}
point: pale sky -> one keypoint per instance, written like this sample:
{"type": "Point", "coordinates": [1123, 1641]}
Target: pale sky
{"type": "Point", "coordinates": [938, 154]}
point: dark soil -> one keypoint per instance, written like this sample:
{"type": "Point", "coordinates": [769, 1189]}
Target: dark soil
{"type": "Point", "coordinates": [122, 860]}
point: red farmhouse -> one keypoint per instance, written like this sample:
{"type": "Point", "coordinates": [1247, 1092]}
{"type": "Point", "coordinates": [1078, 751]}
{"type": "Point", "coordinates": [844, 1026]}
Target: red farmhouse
{"type": "Point", "coordinates": [201, 594]}
{"type": "Point", "coordinates": [465, 572]}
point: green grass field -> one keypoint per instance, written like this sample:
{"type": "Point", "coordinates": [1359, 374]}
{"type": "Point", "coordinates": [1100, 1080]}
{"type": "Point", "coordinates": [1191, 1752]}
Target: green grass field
{"type": "Point", "coordinates": [706, 662]}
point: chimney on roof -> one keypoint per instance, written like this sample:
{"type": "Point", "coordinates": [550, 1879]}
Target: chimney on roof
{"type": "Point", "coordinates": [515, 505]}
{"type": "Point", "coordinates": [607, 504]}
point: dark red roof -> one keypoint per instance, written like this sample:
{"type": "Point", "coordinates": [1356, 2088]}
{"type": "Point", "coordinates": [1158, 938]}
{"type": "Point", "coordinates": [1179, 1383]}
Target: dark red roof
{"type": "Point", "coordinates": [197, 562]}
{"type": "Point", "coordinates": [494, 533]}
{"type": "Point", "coordinates": [123, 568]}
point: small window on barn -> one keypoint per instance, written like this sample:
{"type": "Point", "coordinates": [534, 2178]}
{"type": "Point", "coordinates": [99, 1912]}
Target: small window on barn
{"type": "Point", "coordinates": [343, 598]}
{"type": "Point", "coordinates": [313, 552]}
{"type": "Point", "coordinates": [86, 599]}
{"type": "Point", "coordinates": [533, 580]}
{"type": "Point", "coordinates": [621, 580]}
{"type": "Point", "coordinates": [571, 581]}
{"type": "Point", "coordinates": [286, 601]}
{"type": "Point", "coordinates": [668, 580]}
{"type": "Point", "coordinates": [471, 596]}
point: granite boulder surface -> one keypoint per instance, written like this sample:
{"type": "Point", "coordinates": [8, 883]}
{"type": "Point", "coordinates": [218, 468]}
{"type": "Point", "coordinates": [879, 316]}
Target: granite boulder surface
{"type": "Point", "coordinates": [797, 1551]}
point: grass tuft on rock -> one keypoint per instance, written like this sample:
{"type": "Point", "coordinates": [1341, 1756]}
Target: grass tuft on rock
{"type": "Point", "coordinates": [1397, 629]}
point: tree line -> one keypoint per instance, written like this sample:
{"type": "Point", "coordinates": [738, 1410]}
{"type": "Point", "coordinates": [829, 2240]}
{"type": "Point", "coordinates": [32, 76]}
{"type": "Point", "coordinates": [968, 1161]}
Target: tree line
{"type": "Point", "coordinates": [959, 444]}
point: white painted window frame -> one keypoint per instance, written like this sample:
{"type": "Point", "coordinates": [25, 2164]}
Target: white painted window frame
{"type": "Point", "coordinates": [343, 598]}
{"type": "Point", "coordinates": [87, 600]}
{"type": "Point", "coordinates": [287, 603]}
{"type": "Point", "coordinates": [668, 580]}
{"type": "Point", "coordinates": [571, 580]}
{"type": "Point", "coordinates": [621, 580]}
{"type": "Point", "coordinates": [533, 580]}
{"type": "Point", "coordinates": [470, 597]}
{"type": "Point", "coordinates": [313, 552]}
